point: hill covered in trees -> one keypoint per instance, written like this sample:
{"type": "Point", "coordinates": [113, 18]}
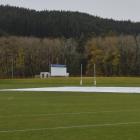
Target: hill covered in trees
{"type": "Point", "coordinates": [32, 40]}
{"type": "Point", "coordinates": [25, 22]}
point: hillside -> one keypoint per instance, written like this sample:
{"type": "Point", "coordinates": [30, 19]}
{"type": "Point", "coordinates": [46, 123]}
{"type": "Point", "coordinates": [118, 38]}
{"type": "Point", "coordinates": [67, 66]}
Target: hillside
{"type": "Point", "coordinates": [32, 40]}
{"type": "Point", "coordinates": [25, 22]}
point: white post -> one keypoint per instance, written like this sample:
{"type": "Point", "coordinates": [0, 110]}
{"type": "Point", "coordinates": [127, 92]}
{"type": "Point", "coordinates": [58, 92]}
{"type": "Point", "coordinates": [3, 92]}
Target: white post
{"type": "Point", "coordinates": [12, 67]}
{"type": "Point", "coordinates": [94, 74]}
{"type": "Point", "coordinates": [50, 68]}
{"type": "Point", "coordinates": [81, 81]}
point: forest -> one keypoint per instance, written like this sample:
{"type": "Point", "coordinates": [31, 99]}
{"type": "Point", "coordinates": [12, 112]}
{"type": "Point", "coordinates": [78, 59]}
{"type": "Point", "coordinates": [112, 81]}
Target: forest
{"type": "Point", "coordinates": [25, 22]}
{"type": "Point", "coordinates": [32, 40]}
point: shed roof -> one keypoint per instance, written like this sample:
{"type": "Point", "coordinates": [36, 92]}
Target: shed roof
{"type": "Point", "coordinates": [57, 65]}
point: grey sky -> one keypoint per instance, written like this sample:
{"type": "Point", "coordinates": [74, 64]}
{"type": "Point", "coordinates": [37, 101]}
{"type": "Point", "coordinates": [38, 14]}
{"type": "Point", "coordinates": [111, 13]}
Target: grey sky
{"type": "Point", "coordinates": [116, 9]}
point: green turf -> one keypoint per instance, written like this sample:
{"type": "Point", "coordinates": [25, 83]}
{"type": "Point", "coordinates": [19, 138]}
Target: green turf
{"type": "Point", "coordinates": [21, 111]}
{"type": "Point", "coordinates": [72, 81]}
{"type": "Point", "coordinates": [37, 110]}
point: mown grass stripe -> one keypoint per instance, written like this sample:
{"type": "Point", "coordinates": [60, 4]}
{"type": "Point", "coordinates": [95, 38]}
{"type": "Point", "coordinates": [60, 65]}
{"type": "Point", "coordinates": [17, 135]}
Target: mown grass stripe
{"type": "Point", "coordinates": [70, 127]}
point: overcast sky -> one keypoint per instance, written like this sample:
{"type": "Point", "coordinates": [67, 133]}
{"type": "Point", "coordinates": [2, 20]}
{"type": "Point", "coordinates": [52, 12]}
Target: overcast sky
{"type": "Point", "coordinates": [116, 9]}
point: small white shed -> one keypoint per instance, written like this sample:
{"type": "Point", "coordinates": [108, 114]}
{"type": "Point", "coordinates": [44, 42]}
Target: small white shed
{"type": "Point", "coordinates": [59, 70]}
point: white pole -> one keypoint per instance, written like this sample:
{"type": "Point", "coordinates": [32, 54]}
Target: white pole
{"type": "Point", "coordinates": [94, 74]}
{"type": "Point", "coordinates": [50, 68]}
{"type": "Point", "coordinates": [81, 81]}
{"type": "Point", "coordinates": [12, 67]}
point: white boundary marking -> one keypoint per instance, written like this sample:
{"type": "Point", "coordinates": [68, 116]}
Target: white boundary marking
{"type": "Point", "coordinates": [70, 127]}
{"type": "Point", "coordinates": [82, 89]}
{"type": "Point", "coordinates": [68, 113]}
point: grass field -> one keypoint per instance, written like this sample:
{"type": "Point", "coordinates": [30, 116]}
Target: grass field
{"type": "Point", "coordinates": [69, 116]}
{"type": "Point", "coordinates": [73, 81]}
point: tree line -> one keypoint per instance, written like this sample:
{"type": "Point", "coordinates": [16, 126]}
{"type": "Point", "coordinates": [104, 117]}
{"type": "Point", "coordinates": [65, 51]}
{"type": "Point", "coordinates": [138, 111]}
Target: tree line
{"type": "Point", "coordinates": [114, 56]}
{"type": "Point", "coordinates": [28, 56]}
